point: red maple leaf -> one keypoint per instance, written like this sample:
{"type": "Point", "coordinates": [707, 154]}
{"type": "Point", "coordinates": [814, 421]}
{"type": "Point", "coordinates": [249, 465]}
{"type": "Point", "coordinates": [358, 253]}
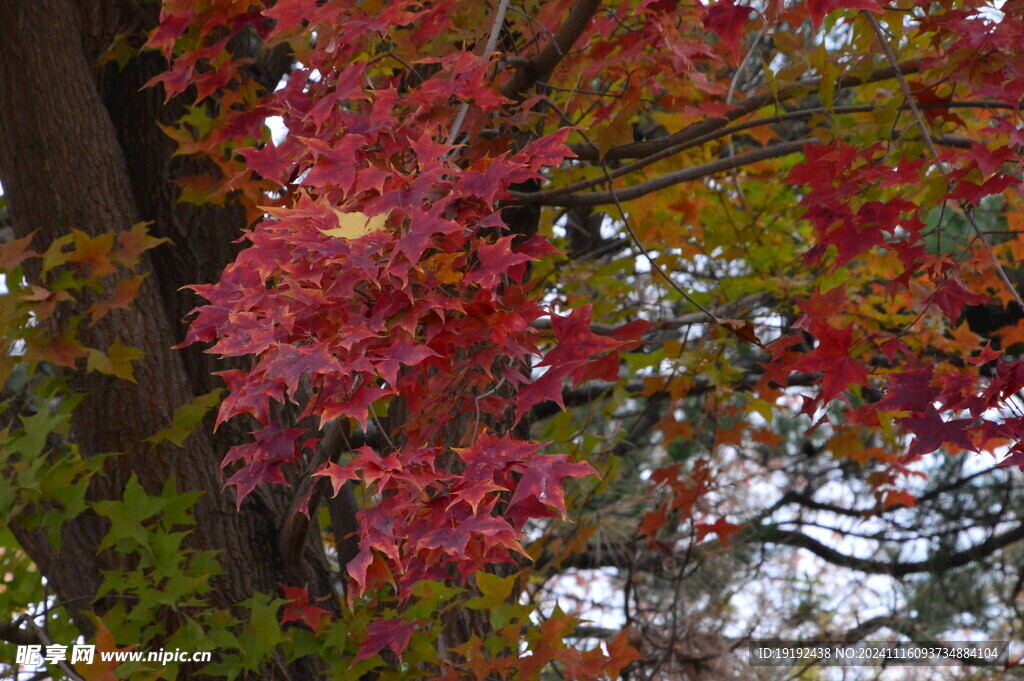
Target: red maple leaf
{"type": "Point", "coordinates": [546, 388]}
{"type": "Point", "coordinates": [910, 391]}
{"type": "Point", "coordinates": [899, 497]}
{"type": "Point", "coordinates": [722, 527]}
{"type": "Point", "coordinates": [473, 492]}
{"type": "Point", "coordinates": [832, 356]}
{"type": "Point", "coordinates": [653, 521]}
{"type": "Point", "coordinates": [391, 633]}
{"type": "Point", "coordinates": [726, 19]}
{"type": "Point", "coordinates": [952, 296]}
{"type": "Point", "coordinates": [985, 355]}
{"type": "Point", "coordinates": [451, 540]}
{"type": "Point", "coordinates": [577, 344]}
{"type": "Point", "coordinates": [973, 193]}
{"type": "Point", "coordinates": [300, 610]}
{"type": "Point", "coordinates": [495, 260]}
{"type": "Point", "coordinates": [931, 432]}
{"type": "Point", "coordinates": [15, 251]}
{"type": "Point", "coordinates": [338, 475]}
{"type": "Point", "coordinates": [620, 654]}
{"type": "Point", "coordinates": [544, 480]}
{"type": "Point", "coordinates": [1014, 458]}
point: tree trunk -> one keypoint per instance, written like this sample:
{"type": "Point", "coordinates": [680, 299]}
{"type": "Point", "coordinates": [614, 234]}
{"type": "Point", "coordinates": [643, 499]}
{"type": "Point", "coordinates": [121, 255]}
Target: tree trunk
{"type": "Point", "coordinates": [80, 149]}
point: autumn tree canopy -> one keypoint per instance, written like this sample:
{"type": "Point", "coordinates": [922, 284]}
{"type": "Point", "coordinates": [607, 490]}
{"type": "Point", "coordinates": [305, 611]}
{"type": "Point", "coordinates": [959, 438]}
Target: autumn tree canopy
{"type": "Point", "coordinates": [507, 340]}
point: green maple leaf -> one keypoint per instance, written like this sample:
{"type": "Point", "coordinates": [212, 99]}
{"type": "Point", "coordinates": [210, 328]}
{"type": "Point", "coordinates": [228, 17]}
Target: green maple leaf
{"type": "Point", "coordinates": [127, 516]}
{"type": "Point", "coordinates": [116, 362]}
{"type": "Point", "coordinates": [494, 591]}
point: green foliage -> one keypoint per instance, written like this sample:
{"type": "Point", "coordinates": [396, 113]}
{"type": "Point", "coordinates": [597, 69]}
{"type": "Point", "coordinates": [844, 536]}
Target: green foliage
{"type": "Point", "coordinates": [798, 328]}
{"type": "Point", "coordinates": [160, 585]}
{"type": "Point", "coordinates": [187, 418]}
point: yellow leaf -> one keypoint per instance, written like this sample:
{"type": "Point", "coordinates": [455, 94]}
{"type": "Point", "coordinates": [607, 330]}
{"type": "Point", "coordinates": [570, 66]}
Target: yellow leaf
{"type": "Point", "coordinates": [355, 225]}
{"type": "Point", "coordinates": [442, 266]}
{"type": "Point", "coordinates": [116, 362]}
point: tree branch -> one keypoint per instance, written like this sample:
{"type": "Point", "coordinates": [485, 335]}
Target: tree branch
{"type": "Point", "coordinates": [940, 563]}
{"type": "Point", "coordinates": [492, 41]}
{"type": "Point", "coordinates": [807, 501]}
{"type": "Point", "coordinates": [295, 526]}
{"type": "Point", "coordinates": [63, 665]}
{"type": "Point", "coordinates": [687, 319]}
{"type": "Point", "coordinates": [800, 114]}
{"type": "Point", "coordinates": [270, 65]}
{"type": "Point", "coordinates": [912, 103]}
{"type": "Point", "coordinates": [597, 390]}
{"type": "Point", "coordinates": [684, 175]}
{"type": "Point", "coordinates": [590, 152]}
{"type": "Point", "coordinates": [13, 633]}
{"type": "Point", "coordinates": [626, 555]}
{"type": "Point", "coordinates": [540, 66]}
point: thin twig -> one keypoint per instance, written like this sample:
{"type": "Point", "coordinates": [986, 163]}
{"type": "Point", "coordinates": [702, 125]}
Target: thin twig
{"type": "Point", "coordinates": [683, 175]}
{"type": "Point", "coordinates": [291, 535]}
{"type": "Point", "coordinates": [541, 65]}
{"type": "Point", "coordinates": [590, 152]}
{"type": "Point", "coordinates": [728, 100]}
{"type": "Point", "coordinates": [387, 438]}
{"type": "Point", "coordinates": [492, 42]}
{"type": "Point", "coordinates": [476, 406]}
{"type": "Point", "coordinates": [636, 240]}
{"type": "Point", "coordinates": [45, 640]}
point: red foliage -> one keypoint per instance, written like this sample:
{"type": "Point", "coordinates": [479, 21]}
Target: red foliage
{"type": "Point", "coordinates": [382, 275]}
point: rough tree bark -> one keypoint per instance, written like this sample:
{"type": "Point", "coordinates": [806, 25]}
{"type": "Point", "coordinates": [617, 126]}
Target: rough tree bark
{"type": "Point", "coordinates": [80, 148]}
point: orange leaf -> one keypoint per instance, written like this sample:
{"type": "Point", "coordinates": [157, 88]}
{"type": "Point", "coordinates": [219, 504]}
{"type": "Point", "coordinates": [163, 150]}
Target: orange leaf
{"type": "Point", "coordinates": [100, 670]}
{"type": "Point", "coordinates": [743, 329]}
{"type": "Point", "coordinates": [93, 251]}
{"type": "Point", "coordinates": [133, 243]}
{"type": "Point", "coordinates": [898, 497]}
{"type": "Point", "coordinates": [64, 350]}
{"type": "Point", "coordinates": [124, 293]}
{"type": "Point", "coordinates": [15, 251]}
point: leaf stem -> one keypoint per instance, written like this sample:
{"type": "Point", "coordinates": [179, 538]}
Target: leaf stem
{"type": "Point", "coordinates": [492, 42]}
{"type": "Point", "coordinates": [650, 259]}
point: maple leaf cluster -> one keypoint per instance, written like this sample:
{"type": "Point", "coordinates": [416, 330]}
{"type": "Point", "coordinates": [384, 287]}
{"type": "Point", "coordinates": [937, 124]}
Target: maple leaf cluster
{"type": "Point", "coordinates": [854, 199]}
{"type": "Point", "coordinates": [380, 285]}
{"type": "Point", "coordinates": [387, 275]}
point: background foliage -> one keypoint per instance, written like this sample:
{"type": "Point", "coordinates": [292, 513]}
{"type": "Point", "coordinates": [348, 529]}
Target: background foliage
{"type": "Point", "coordinates": [523, 340]}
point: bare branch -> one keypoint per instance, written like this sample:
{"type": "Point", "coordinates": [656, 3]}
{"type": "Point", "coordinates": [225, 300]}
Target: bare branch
{"type": "Point", "coordinates": [13, 633]}
{"type": "Point", "coordinates": [63, 665]}
{"type": "Point", "coordinates": [492, 42]}
{"type": "Point", "coordinates": [939, 563]}
{"type": "Point", "coordinates": [590, 152]}
{"type": "Point", "coordinates": [292, 535]}
{"type": "Point", "coordinates": [623, 555]}
{"type": "Point", "coordinates": [597, 390]}
{"type": "Point", "coordinates": [684, 175]}
{"type": "Point", "coordinates": [688, 319]}
{"type": "Point", "coordinates": [528, 72]}
{"type": "Point", "coordinates": [799, 114]}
